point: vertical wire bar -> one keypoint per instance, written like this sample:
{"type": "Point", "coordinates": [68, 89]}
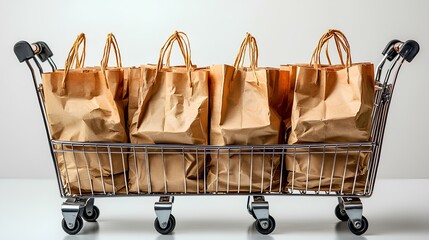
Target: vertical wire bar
{"type": "Point", "coordinates": [229, 165]}
{"type": "Point", "coordinates": [55, 152]}
{"type": "Point", "coordinates": [272, 169]}
{"type": "Point", "coordinates": [263, 169]}
{"type": "Point", "coordinates": [198, 168]}
{"type": "Point", "coordinates": [375, 151]}
{"type": "Point", "coordinates": [65, 165]}
{"type": "Point", "coordinates": [388, 89]}
{"type": "Point", "coordinates": [149, 183]}
{"type": "Point", "coordinates": [77, 171]}
{"type": "Point", "coordinates": [321, 170]}
{"type": "Point", "coordinates": [184, 168]}
{"type": "Point", "coordinates": [377, 117]}
{"type": "Point", "coordinates": [123, 168]}
{"type": "Point", "coordinates": [251, 169]}
{"type": "Point", "coordinates": [308, 169]}
{"type": "Point", "coordinates": [377, 111]}
{"type": "Point", "coordinates": [379, 139]}
{"type": "Point", "coordinates": [377, 103]}
{"type": "Point", "coordinates": [281, 169]}
{"type": "Point", "coordinates": [100, 168]}
{"type": "Point", "coordinates": [333, 168]}
{"type": "Point", "coordinates": [111, 169]}
{"type": "Point", "coordinates": [357, 168]}
{"type": "Point", "coordinates": [53, 65]}
{"type": "Point", "coordinates": [137, 170]}
{"type": "Point", "coordinates": [239, 169]}
{"type": "Point", "coordinates": [293, 168]}
{"type": "Point", "coordinates": [164, 170]}
{"type": "Point", "coordinates": [370, 160]}
{"type": "Point", "coordinates": [87, 169]}
{"type": "Point", "coordinates": [205, 173]}
{"type": "Point", "coordinates": [345, 168]}
{"type": "Point", "coordinates": [217, 171]}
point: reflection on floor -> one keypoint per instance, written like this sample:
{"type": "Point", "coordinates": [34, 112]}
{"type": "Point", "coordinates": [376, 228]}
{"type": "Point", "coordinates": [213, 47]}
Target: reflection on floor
{"type": "Point", "coordinates": [30, 209]}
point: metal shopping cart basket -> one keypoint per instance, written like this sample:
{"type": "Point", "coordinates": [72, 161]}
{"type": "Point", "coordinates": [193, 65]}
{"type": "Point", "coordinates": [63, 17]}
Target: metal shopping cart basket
{"type": "Point", "coordinates": [80, 204]}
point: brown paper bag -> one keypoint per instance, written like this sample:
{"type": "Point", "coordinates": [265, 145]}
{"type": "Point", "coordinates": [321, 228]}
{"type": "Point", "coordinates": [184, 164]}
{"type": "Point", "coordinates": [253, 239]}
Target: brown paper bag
{"type": "Point", "coordinates": [288, 72]}
{"type": "Point", "coordinates": [173, 109]}
{"type": "Point", "coordinates": [242, 114]}
{"type": "Point", "coordinates": [331, 103]}
{"type": "Point", "coordinates": [132, 75]}
{"type": "Point", "coordinates": [133, 78]}
{"type": "Point", "coordinates": [89, 169]}
{"type": "Point", "coordinates": [86, 105]}
{"type": "Point", "coordinates": [241, 171]}
{"type": "Point", "coordinates": [332, 171]}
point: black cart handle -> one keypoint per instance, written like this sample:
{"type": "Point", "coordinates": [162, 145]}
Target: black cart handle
{"type": "Point", "coordinates": [407, 50]}
{"type": "Point", "coordinates": [389, 50]}
{"type": "Point", "coordinates": [42, 51]}
{"type": "Point", "coordinates": [25, 51]}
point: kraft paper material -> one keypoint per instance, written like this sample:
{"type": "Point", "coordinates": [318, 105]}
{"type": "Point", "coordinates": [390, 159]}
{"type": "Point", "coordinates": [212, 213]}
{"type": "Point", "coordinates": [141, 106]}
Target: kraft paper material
{"type": "Point", "coordinates": [331, 103]}
{"type": "Point", "coordinates": [87, 105]}
{"type": "Point", "coordinates": [172, 109]}
{"type": "Point", "coordinates": [243, 114]}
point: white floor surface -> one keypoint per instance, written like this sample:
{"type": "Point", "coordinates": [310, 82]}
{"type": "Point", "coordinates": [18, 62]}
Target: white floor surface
{"type": "Point", "coordinates": [30, 209]}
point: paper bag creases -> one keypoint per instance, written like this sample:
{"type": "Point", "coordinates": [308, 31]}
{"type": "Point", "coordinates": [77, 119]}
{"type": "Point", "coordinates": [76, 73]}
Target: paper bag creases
{"type": "Point", "coordinates": [331, 104]}
{"type": "Point", "coordinates": [243, 112]}
{"type": "Point", "coordinates": [86, 105]}
{"type": "Point", "coordinates": [172, 109]}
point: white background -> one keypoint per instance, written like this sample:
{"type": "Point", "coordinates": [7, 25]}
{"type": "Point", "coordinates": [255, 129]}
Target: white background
{"type": "Point", "coordinates": [287, 32]}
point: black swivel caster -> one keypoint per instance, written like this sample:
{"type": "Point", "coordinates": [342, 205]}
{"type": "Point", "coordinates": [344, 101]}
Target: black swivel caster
{"type": "Point", "coordinates": [91, 217]}
{"type": "Point", "coordinates": [77, 226]}
{"type": "Point", "coordinates": [171, 224]}
{"type": "Point", "coordinates": [360, 229]}
{"type": "Point", "coordinates": [269, 229]}
{"type": "Point", "coordinates": [341, 214]}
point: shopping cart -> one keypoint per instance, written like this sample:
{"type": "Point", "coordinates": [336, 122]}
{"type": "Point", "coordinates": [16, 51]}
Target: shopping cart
{"type": "Point", "coordinates": [79, 204]}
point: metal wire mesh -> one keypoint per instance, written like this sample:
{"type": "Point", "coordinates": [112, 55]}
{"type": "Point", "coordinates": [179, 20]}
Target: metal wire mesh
{"type": "Point", "coordinates": [124, 169]}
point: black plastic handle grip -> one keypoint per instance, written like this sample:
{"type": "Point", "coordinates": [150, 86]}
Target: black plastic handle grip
{"type": "Point", "coordinates": [23, 51]}
{"type": "Point", "coordinates": [43, 51]}
{"type": "Point", "coordinates": [389, 49]}
{"type": "Point", "coordinates": [409, 50]}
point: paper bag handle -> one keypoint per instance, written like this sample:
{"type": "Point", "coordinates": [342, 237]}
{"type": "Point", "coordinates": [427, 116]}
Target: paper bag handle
{"type": "Point", "coordinates": [111, 42]}
{"type": "Point", "coordinates": [249, 43]}
{"type": "Point", "coordinates": [341, 43]}
{"type": "Point", "coordinates": [167, 61]}
{"type": "Point", "coordinates": [183, 41]}
{"type": "Point", "coordinates": [73, 57]}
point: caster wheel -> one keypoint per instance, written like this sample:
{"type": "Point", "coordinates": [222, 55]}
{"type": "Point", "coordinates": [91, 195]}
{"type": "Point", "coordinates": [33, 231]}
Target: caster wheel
{"type": "Point", "coordinates": [171, 224]}
{"type": "Point", "coordinates": [77, 226]}
{"type": "Point", "coordinates": [173, 219]}
{"type": "Point", "coordinates": [359, 230]}
{"type": "Point", "coordinates": [341, 214]}
{"type": "Point", "coordinates": [270, 228]}
{"type": "Point", "coordinates": [93, 216]}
